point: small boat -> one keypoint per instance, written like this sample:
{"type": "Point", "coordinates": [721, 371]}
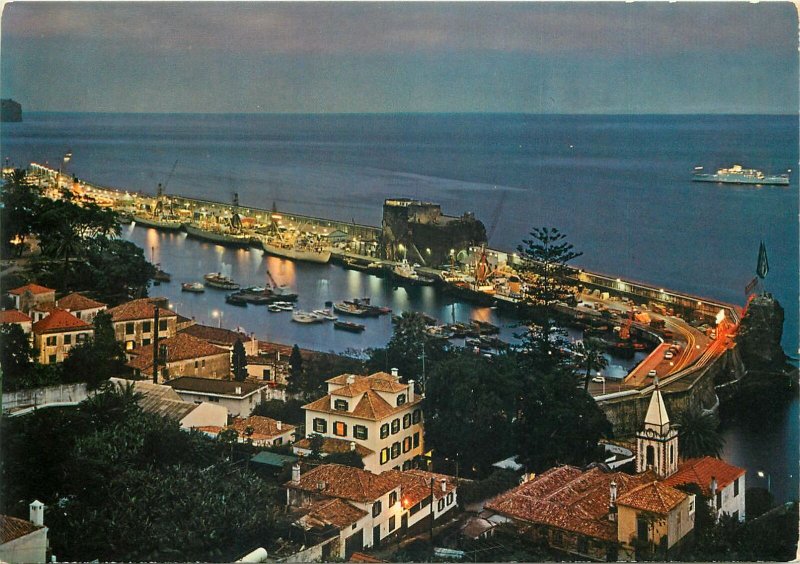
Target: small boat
{"type": "Point", "coordinates": [195, 287]}
{"type": "Point", "coordinates": [325, 314]}
{"type": "Point", "coordinates": [306, 317]}
{"type": "Point", "coordinates": [219, 281]}
{"type": "Point", "coordinates": [349, 309]}
{"type": "Point", "coordinates": [235, 299]}
{"type": "Point", "coordinates": [405, 273]}
{"type": "Point", "coordinates": [284, 306]}
{"type": "Point", "coordinates": [274, 308]}
{"type": "Point", "coordinates": [348, 326]}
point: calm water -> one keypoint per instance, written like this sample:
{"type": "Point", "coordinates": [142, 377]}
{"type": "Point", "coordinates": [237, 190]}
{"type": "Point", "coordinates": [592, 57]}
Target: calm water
{"type": "Point", "coordinates": [617, 185]}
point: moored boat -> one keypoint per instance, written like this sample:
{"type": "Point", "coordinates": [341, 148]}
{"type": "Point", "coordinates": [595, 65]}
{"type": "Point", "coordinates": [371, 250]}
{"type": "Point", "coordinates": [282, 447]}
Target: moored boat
{"type": "Point", "coordinates": [407, 274]}
{"type": "Point", "coordinates": [235, 299]}
{"type": "Point", "coordinates": [220, 281]}
{"type": "Point", "coordinates": [325, 314]}
{"type": "Point", "coordinates": [163, 223]}
{"type": "Point", "coordinates": [194, 287]}
{"type": "Point", "coordinates": [740, 175]}
{"type": "Point", "coordinates": [295, 252]}
{"type": "Point", "coordinates": [218, 237]}
{"type": "Point", "coordinates": [306, 317]}
{"type": "Point", "coordinates": [349, 309]}
{"type": "Point", "coordinates": [348, 326]}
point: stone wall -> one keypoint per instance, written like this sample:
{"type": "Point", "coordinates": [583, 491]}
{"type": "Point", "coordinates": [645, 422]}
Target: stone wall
{"type": "Point", "coordinates": [65, 393]}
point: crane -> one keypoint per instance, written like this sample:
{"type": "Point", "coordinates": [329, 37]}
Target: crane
{"type": "Point", "coordinates": [482, 268]}
{"type": "Point", "coordinates": [160, 193]}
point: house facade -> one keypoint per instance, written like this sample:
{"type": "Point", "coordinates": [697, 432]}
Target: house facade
{"type": "Point", "coordinates": [238, 398]}
{"type": "Point", "coordinates": [376, 412]}
{"type": "Point", "coordinates": [22, 541]}
{"type": "Point", "coordinates": [55, 335]}
{"type": "Point", "coordinates": [224, 338]}
{"type": "Point", "coordinates": [722, 484]}
{"type": "Point", "coordinates": [392, 502]}
{"type": "Point", "coordinates": [16, 317]}
{"type": "Point", "coordinates": [182, 355]}
{"type": "Point", "coordinates": [30, 296]}
{"type": "Point", "coordinates": [134, 322]}
{"type": "Point", "coordinates": [81, 307]}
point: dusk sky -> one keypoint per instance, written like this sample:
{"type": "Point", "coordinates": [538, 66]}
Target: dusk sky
{"type": "Point", "coordinates": [695, 57]}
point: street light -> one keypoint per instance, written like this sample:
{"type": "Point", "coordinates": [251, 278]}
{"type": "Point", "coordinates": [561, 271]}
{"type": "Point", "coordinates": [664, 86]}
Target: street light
{"type": "Point", "coordinates": [762, 474]}
{"type": "Point", "coordinates": [216, 314]}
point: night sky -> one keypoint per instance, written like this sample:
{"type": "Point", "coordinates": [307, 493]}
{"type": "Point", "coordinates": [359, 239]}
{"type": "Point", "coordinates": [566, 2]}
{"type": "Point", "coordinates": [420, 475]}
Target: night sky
{"type": "Point", "coordinates": [693, 57]}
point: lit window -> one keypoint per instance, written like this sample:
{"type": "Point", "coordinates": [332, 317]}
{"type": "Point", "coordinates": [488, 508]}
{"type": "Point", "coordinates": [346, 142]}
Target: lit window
{"type": "Point", "coordinates": [407, 444]}
{"type": "Point", "coordinates": [340, 429]}
{"type": "Point", "coordinates": [384, 455]}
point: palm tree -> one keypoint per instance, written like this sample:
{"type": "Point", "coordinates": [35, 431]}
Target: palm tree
{"type": "Point", "coordinates": [698, 434]}
{"type": "Point", "coordinates": [592, 357]}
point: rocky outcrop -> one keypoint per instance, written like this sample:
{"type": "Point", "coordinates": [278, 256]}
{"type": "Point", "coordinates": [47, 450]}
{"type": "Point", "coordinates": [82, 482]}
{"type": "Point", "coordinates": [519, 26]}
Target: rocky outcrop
{"type": "Point", "coordinates": [10, 110]}
{"type": "Point", "coordinates": [760, 333]}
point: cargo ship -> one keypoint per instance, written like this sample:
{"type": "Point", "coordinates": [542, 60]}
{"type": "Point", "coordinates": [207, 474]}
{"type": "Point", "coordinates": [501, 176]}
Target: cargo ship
{"type": "Point", "coordinates": [739, 175]}
{"type": "Point", "coordinates": [295, 252]}
{"type": "Point", "coordinates": [218, 237]}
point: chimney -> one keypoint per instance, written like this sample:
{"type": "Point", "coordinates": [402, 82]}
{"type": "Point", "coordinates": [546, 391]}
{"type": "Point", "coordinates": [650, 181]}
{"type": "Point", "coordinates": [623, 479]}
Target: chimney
{"type": "Point", "coordinates": [411, 390]}
{"type": "Point", "coordinates": [612, 502]}
{"type": "Point", "coordinates": [279, 425]}
{"type": "Point", "coordinates": [296, 473]}
{"type": "Point", "coordinates": [238, 390]}
{"type": "Point", "coordinates": [395, 374]}
{"type": "Point", "coordinates": [444, 484]}
{"type": "Point", "coordinates": [155, 345]}
{"type": "Point", "coordinates": [37, 513]}
{"type": "Point", "coordinates": [351, 379]}
{"type": "Point", "coordinates": [278, 355]}
{"type": "Point", "coordinates": [713, 490]}
{"type": "Point", "coordinates": [613, 492]}
{"type": "Point", "coordinates": [352, 446]}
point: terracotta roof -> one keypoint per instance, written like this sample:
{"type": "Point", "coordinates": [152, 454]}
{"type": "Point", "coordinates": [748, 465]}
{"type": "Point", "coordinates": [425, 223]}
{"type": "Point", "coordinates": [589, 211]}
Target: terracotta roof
{"type": "Point", "coordinates": [44, 307]}
{"type": "Point", "coordinates": [216, 335]}
{"type": "Point", "coordinates": [32, 288]}
{"type": "Point", "coordinates": [654, 497]}
{"type": "Point", "coordinates": [334, 512]}
{"type": "Point", "coordinates": [12, 528]}
{"type": "Point", "coordinates": [13, 316]}
{"type": "Point", "coordinates": [264, 428]}
{"type": "Point", "coordinates": [569, 498]}
{"type": "Point", "coordinates": [138, 309]}
{"type": "Point", "coordinates": [213, 385]}
{"type": "Point", "coordinates": [179, 347]}
{"type": "Point", "coordinates": [334, 446]}
{"type": "Point", "coordinates": [379, 381]}
{"type": "Point", "coordinates": [345, 482]}
{"type": "Point", "coordinates": [700, 471]}
{"type": "Point", "coordinates": [415, 485]}
{"type": "Point", "coordinates": [59, 321]}
{"type": "Point", "coordinates": [78, 302]}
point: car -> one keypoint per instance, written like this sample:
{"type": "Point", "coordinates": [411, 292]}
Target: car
{"type": "Point", "coordinates": [598, 379]}
{"type": "Point", "coordinates": [652, 374]}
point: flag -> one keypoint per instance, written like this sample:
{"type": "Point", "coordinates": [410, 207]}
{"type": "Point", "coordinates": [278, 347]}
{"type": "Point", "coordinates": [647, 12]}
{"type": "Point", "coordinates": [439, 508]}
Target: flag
{"type": "Point", "coordinates": [750, 287]}
{"type": "Point", "coordinates": [763, 263]}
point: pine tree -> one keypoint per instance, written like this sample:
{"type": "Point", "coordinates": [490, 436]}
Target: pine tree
{"type": "Point", "coordinates": [239, 362]}
{"type": "Point", "coordinates": [294, 381]}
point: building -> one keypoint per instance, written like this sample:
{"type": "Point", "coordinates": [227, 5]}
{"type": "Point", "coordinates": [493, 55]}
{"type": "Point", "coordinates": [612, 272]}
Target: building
{"type": "Point", "coordinates": [16, 317]}
{"type": "Point", "coordinates": [164, 401]}
{"type": "Point", "coordinates": [722, 484]}
{"type": "Point", "coordinates": [376, 412]}
{"type": "Point", "coordinates": [133, 322]}
{"type": "Point", "coordinates": [31, 295]}
{"type": "Point", "coordinates": [332, 446]}
{"type": "Point", "coordinates": [224, 338]}
{"type": "Point", "coordinates": [599, 514]}
{"type": "Point", "coordinates": [257, 430]}
{"type": "Point", "coordinates": [81, 307]}
{"type": "Point", "coordinates": [389, 504]}
{"type": "Point", "coordinates": [24, 541]}
{"type": "Point", "coordinates": [238, 398]}
{"type": "Point", "coordinates": [182, 355]}
{"type": "Point", "coordinates": [57, 333]}
{"type": "Point", "coordinates": [268, 367]}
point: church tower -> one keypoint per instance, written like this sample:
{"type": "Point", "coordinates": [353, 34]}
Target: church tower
{"type": "Point", "coordinates": [657, 443]}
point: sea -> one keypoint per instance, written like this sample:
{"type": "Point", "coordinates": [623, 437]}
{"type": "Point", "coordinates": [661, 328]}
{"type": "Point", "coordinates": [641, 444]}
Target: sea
{"type": "Point", "coordinates": [619, 187]}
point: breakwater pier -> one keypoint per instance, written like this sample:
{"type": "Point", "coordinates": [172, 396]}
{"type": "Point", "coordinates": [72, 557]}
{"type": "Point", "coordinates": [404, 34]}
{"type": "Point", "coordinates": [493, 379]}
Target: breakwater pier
{"type": "Point", "coordinates": [700, 329]}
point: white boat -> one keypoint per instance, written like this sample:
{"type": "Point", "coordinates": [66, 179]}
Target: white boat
{"type": "Point", "coordinates": [194, 287]}
{"type": "Point", "coordinates": [306, 317]}
{"type": "Point", "coordinates": [294, 252]}
{"type": "Point", "coordinates": [325, 314]}
{"type": "Point", "coordinates": [274, 308]}
{"type": "Point", "coordinates": [407, 273]}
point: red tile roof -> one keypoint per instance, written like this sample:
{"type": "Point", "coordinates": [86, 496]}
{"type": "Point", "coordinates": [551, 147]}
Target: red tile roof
{"type": "Point", "coordinates": [415, 485]}
{"type": "Point", "coordinates": [654, 497]}
{"type": "Point", "coordinates": [370, 405]}
{"type": "Point", "coordinates": [138, 309]}
{"type": "Point", "coordinates": [32, 288]}
{"type": "Point", "coordinates": [335, 446]}
{"type": "Point", "coordinates": [700, 471]}
{"type": "Point", "coordinates": [345, 482]}
{"type": "Point", "coordinates": [379, 381]}
{"type": "Point", "coordinates": [570, 499]}
{"type": "Point", "coordinates": [264, 428]}
{"type": "Point", "coordinates": [59, 321]}
{"type": "Point", "coordinates": [78, 302]}
{"type": "Point", "coordinates": [12, 528]}
{"type": "Point", "coordinates": [365, 558]}
{"type": "Point", "coordinates": [334, 512]}
{"type": "Point", "coordinates": [180, 347]}
{"type": "Point", "coordinates": [13, 316]}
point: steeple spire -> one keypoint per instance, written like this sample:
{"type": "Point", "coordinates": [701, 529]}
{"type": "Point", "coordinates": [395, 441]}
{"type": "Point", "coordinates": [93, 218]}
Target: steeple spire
{"type": "Point", "coordinates": [657, 443]}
